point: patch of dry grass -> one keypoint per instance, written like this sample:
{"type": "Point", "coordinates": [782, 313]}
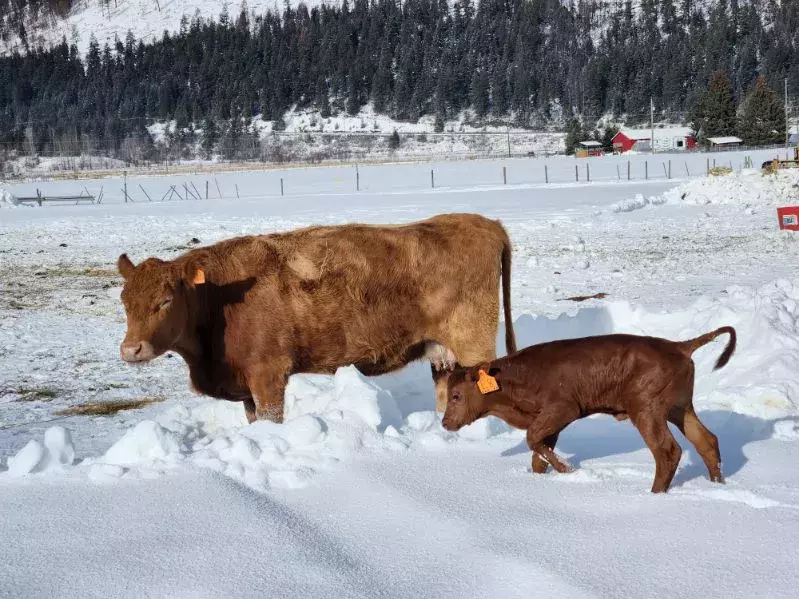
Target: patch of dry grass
{"type": "Point", "coordinates": [109, 408]}
{"type": "Point", "coordinates": [36, 394]}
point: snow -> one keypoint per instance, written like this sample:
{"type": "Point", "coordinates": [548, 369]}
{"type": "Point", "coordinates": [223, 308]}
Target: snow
{"type": "Point", "coordinates": [662, 134]}
{"type": "Point", "coordinates": [146, 19]}
{"type": "Point", "coordinates": [361, 492]}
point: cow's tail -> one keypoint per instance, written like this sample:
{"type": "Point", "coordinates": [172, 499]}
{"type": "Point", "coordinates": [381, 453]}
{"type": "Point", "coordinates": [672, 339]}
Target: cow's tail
{"type": "Point", "coordinates": [510, 337]}
{"type": "Point", "coordinates": [692, 345]}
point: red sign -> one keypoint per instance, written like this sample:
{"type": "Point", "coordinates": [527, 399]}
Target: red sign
{"type": "Point", "coordinates": [789, 217]}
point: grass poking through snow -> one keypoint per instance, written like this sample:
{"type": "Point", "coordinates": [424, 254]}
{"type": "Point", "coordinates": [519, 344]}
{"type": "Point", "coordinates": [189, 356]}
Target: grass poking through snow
{"type": "Point", "coordinates": [108, 408]}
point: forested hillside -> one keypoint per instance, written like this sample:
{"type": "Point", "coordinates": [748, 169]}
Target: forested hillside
{"type": "Point", "coordinates": [534, 63]}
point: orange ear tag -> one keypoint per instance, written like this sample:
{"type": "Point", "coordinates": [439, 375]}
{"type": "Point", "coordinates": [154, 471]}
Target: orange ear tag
{"type": "Point", "coordinates": [486, 383]}
{"type": "Point", "coordinates": [199, 277]}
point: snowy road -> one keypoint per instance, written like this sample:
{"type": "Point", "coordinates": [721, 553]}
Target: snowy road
{"type": "Point", "coordinates": [361, 493]}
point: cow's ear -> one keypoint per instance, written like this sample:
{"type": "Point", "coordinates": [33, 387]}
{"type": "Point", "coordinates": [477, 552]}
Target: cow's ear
{"type": "Point", "coordinates": [194, 275]}
{"type": "Point", "coordinates": [125, 266]}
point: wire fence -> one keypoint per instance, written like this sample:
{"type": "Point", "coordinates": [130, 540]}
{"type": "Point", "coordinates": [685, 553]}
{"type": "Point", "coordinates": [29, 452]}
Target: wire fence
{"type": "Point", "coordinates": [540, 172]}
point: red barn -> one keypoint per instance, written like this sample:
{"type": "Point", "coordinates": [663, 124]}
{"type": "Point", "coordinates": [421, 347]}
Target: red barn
{"type": "Point", "coordinates": [667, 139]}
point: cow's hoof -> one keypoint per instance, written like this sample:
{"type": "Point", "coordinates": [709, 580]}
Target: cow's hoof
{"type": "Point", "coordinates": [272, 413]}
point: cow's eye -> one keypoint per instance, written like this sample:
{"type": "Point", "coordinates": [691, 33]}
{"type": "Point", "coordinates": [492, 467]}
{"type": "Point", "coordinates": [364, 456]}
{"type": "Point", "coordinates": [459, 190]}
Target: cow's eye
{"type": "Point", "coordinates": [456, 397]}
{"type": "Point", "coordinates": [164, 304]}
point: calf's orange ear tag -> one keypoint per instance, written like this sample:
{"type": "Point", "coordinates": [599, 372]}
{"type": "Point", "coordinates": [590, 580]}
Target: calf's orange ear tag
{"type": "Point", "coordinates": [486, 383]}
{"type": "Point", "coordinates": [199, 277]}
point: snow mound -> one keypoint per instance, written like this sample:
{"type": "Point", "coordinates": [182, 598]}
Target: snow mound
{"type": "Point", "coordinates": [326, 418]}
{"type": "Point", "coordinates": [7, 198]}
{"type": "Point", "coordinates": [56, 453]}
{"type": "Point", "coordinates": [636, 203]}
{"type": "Point", "coordinates": [747, 188]}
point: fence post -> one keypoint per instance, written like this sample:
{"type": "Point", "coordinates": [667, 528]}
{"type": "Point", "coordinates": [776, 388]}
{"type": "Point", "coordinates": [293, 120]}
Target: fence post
{"type": "Point", "coordinates": [687, 172]}
{"type": "Point", "coordinates": [281, 186]}
{"type": "Point", "coordinates": [357, 178]}
{"type": "Point", "coordinates": [618, 172]}
{"type": "Point", "coordinates": [504, 176]}
{"type": "Point", "coordinates": [125, 188]}
{"type": "Point", "coordinates": [509, 144]}
{"type": "Point", "coordinates": [236, 185]}
{"type": "Point", "coordinates": [628, 170]}
{"type": "Point", "coordinates": [546, 174]}
{"type": "Point", "coordinates": [707, 171]}
{"type": "Point", "coordinates": [576, 173]}
{"type": "Point", "coordinates": [206, 189]}
{"type": "Point", "coordinates": [587, 172]}
{"type": "Point", "coordinates": [432, 180]}
{"type": "Point", "coordinates": [646, 170]}
{"type": "Point", "coordinates": [669, 169]}
{"type": "Point", "coordinates": [219, 191]}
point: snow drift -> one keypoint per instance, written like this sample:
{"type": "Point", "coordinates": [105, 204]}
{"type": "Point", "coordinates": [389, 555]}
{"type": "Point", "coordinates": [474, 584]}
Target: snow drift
{"type": "Point", "coordinates": [330, 418]}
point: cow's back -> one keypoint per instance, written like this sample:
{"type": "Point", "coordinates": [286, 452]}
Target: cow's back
{"type": "Point", "coordinates": [373, 295]}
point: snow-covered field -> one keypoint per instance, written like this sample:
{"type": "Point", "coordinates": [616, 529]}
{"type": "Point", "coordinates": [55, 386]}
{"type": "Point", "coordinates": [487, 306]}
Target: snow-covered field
{"type": "Point", "coordinates": [361, 493]}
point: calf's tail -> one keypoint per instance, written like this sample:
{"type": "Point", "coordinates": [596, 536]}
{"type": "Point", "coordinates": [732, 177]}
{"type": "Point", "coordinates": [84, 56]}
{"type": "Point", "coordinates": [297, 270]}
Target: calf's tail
{"type": "Point", "coordinates": [692, 345]}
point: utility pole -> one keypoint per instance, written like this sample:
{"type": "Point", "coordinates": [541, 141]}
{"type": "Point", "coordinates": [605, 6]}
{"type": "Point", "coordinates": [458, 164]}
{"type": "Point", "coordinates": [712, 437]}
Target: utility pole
{"type": "Point", "coordinates": [652, 124]}
{"type": "Point", "coordinates": [787, 119]}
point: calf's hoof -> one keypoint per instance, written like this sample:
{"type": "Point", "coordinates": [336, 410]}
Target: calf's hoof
{"type": "Point", "coordinates": [540, 465]}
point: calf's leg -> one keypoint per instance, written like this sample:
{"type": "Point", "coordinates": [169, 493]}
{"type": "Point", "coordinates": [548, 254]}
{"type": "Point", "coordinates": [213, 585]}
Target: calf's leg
{"type": "Point", "coordinates": [706, 443]}
{"type": "Point", "coordinates": [540, 465]}
{"type": "Point", "coordinates": [543, 434]}
{"type": "Point", "coordinates": [664, 448]}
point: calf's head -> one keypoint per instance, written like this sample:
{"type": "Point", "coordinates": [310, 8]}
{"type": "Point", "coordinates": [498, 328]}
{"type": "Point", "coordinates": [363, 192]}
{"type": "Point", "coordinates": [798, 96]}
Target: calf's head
{"type": "Point", "coordinates": [160, 301]}
{"type": "Point", "coordinates": [465, 401]}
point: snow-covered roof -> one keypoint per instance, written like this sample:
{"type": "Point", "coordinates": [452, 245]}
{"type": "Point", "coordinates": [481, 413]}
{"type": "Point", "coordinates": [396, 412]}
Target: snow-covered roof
{"type": "Point", "coordinates": [729, 139]}
{"type": "Point", "coordinates": [662, 133]}
{"type": "Point", "coordinates": [590, 144]}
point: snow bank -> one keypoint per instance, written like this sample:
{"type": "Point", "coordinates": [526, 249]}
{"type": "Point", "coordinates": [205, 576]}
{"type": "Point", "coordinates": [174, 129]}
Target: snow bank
{"type": "Point", "coordinates": [747, 188]}
{"type": "Point", "coordinates": [330, 418]}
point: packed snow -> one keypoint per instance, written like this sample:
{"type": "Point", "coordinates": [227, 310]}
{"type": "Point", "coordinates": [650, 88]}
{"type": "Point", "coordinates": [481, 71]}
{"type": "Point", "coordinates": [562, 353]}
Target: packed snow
{"type": "Point", "coordinates": [361, 492]}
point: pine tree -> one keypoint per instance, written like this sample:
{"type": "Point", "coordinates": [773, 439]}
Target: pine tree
{"type": "Point", "coordinates": [478, 93]}
{"type": "Point", "coordinates": [210, 137]}
{"type": "Point", "coordinates": [762, 118]}
{"type": "Point", "coordinates": [574, 135]}
{"type": "Point", "coordinates": [714, 115]}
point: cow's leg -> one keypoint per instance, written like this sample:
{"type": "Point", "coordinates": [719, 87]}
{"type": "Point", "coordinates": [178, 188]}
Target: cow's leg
{"type": "Point", "coordinates": [249, 409]}
{"type": "Point", "coordinates": [267, 384]}
{"type": "Point", "coordinates": [706, 443]}
{"type": "Point", "coordinates": [442, 361]}
{"type": "Point", "coordinates": [664, 448]}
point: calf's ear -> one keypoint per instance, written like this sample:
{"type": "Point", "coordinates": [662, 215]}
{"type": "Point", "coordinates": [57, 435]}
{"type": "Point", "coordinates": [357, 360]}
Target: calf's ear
{"type": "Point", "coordinates": [125, 266]}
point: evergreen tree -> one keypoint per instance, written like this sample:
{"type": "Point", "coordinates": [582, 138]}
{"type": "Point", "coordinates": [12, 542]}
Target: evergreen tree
{"type": "Point", "coordinates": [714, 115]}
{"type": "Point", "coordinates": [574, 135]}
{"type": "Point", "coordinates": [210, 137]}
{"type": "Point", "coordinates": [762, 118]}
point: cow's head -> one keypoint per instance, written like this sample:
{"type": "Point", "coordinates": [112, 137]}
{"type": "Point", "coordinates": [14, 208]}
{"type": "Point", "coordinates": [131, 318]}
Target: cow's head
{"type": "Point", "coordinates": [465, 401]}
{"type": "Point", "coordinates": [159, 300]}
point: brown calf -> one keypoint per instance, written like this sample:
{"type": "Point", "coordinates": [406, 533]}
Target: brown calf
{"type": "Point", "coordinates": [247, 313]}
{"type": "Point", "coordinates": [543, 388]}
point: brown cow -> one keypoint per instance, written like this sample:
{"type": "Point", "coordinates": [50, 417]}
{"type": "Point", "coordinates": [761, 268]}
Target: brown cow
{"type": "Point", "coordinates": [545, 387]}
{"type": "Point", "coordinates": [248, 312]}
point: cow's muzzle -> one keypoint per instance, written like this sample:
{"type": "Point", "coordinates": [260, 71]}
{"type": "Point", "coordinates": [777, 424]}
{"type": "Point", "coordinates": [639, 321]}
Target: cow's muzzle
{"type": "Point", "coordinates": [136, 351]}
